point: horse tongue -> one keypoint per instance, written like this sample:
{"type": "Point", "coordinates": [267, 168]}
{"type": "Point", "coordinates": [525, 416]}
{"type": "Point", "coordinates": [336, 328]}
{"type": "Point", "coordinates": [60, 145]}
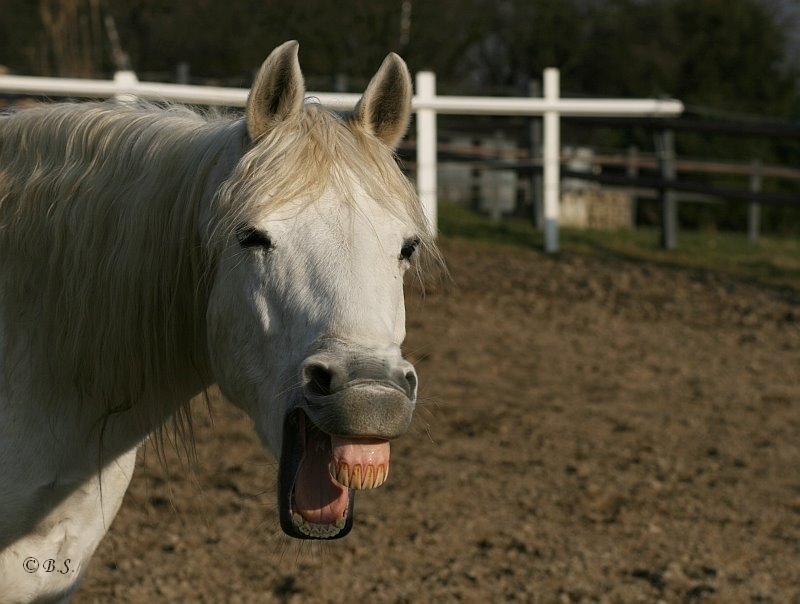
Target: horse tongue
{"type": "Point", "coordinates": [330, 467]}
{"type": "Point", "coordinates": [317, 497]}
{"type": "Point", "coordinates": [360, 463]}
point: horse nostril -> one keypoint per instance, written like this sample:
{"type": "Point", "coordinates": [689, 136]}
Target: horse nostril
{"type": "Point", "coordinates": [411, 378]}
{"type": "Point", "coordinates": [318, 378]}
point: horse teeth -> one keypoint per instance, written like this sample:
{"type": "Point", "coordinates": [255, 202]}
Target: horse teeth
{"type": "Point", "coordinates": [312, 529]}
{"type": "Point", "coordinates": [355, 478]}
{"type": "Point", "coordinates": [343, 475]}
{"type": "Point", "coordinates": [380, 475]}
{"type": "Point", "coordinates": [368, 481]}
{"type": "Point", "coordinates": [360, 477]}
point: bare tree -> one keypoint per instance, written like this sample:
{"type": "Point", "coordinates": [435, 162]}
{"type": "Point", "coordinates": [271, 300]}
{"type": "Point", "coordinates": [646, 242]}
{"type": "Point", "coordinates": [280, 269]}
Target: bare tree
{"type": "Point", "coordinates": [73, 36]}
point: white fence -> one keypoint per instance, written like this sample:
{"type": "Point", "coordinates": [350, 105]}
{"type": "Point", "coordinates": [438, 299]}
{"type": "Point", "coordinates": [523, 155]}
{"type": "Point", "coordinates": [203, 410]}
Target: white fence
{"type": "Point", "coordinates": [427, 105]}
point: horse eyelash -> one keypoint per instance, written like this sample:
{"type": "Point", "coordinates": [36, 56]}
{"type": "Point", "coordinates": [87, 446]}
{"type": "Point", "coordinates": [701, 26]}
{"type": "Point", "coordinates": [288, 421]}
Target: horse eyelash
{"type": "Point", "coordinates": [251, 237]}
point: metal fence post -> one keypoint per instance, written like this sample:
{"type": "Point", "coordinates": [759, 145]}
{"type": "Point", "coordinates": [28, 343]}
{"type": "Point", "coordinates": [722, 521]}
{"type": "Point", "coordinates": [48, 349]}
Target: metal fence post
{"type": "Point", "coordinates": [754, 208]}
{"type": "Point", "coordinates": [669, 203]}
{"type": "Point", "coordinates": [551, 160]}
{"type": "Point", "coordinates": [426, 147]}
{"type": "Point", "coordinates": [535, 135]}
{"type": "Point", "coordinates": [632, 172]}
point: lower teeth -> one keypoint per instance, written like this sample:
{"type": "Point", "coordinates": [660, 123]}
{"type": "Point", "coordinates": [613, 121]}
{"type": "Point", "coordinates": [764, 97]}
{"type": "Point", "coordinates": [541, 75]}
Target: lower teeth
{"type": "Point", "coordinates": [317, 530]}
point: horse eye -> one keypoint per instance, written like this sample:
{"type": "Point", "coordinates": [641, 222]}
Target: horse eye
{"type": "Point", "coordinates": [408, 249]}
{"type": "Point", "coordinates": [252, 237]}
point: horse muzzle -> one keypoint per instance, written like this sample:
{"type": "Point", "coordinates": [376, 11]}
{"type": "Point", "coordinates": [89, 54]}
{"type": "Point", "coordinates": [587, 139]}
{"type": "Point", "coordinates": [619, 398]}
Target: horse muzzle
{"type": "Point", "coordinates": [337, 442]}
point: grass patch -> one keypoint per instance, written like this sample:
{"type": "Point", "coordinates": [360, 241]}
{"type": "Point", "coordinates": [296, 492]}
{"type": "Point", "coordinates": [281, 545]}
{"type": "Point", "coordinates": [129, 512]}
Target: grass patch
{"type": "Point", "coordinates": [772, 261]}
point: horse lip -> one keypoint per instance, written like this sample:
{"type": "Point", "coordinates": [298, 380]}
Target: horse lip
{"type": "Point", "coordinates": [310, 398]}
{"type": "Point", "coordinates": [377, 384]}
{"type": "Point", "coordinates": [291, 456]}
{"type": "Point", "coordinates": [367, 409]}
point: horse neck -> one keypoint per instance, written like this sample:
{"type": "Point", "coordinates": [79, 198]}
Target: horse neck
{"type": "Point", "coordinates": [123, 305]}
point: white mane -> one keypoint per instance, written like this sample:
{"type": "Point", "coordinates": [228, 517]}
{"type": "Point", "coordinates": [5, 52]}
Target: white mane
{"type": "Point", "coordinates": [98, 219]}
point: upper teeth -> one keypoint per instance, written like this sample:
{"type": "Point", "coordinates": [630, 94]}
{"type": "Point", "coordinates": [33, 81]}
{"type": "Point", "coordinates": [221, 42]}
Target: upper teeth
{"type": "Point", "coordinates": [360, 477]}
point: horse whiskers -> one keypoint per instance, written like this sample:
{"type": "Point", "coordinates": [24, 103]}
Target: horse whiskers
{"type": "Point", "coordinates": [289, 389]}
{"type": "Point", "coordinates": [302, 550]}
{"type": "Point", "coordinates": [420, 426]}
{"type": "Point", "coordinates": [426, 402]}
{"type": "Point", "coordinates": [423, 410]}
{"type": "Point", "coordinates": [428, 433]}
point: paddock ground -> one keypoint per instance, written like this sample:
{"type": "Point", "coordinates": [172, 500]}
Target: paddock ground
{"type": "Point", "coordinates": [591, 430]}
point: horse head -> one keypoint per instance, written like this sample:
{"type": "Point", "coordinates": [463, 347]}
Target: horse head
{"type": "Point", "coordinates": [315, 229]}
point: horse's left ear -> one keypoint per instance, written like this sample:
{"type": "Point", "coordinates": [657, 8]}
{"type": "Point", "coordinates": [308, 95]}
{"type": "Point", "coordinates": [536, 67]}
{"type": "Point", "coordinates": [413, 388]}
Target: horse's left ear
{"type": "Point", "coordinates": [385, 108]}
{"type": "Point", "coordinates": [278, 91]}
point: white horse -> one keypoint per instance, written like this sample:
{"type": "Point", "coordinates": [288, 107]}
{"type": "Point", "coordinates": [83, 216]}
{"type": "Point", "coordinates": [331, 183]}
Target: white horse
{"type": "Point", "coordinates": [146, 253]}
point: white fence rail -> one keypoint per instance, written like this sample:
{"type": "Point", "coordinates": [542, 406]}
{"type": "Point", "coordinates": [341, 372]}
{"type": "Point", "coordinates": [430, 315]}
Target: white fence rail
{"type": "Point", "coordinates": [427, 105]}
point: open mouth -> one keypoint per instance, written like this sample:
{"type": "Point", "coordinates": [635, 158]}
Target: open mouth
{"type": "Point", "coordinates": [318, 474]}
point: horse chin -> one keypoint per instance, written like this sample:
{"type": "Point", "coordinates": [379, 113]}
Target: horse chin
{"type": "Point", "coordinates": [305, 448]}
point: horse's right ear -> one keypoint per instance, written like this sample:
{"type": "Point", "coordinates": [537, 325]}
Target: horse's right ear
{"type": "Point", "coordinates": [278, 91]}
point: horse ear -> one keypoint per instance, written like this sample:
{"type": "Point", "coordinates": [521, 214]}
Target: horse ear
{"type": "Point", "coordinates": [278, 91]}
{"type": "Point", "coordinates": [385, 108]}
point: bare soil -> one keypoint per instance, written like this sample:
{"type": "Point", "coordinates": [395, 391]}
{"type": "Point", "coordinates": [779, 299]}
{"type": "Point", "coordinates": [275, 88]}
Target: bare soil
{"type": "Point", "coordinates": [591, 429]}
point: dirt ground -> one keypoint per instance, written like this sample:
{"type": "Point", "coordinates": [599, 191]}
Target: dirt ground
{"type": "Point", "coordinates": [590, 430]}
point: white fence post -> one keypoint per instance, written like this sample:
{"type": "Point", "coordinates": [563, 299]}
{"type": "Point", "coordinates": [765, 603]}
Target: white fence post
{"type": "Point", "coordinates": [126, 83]}
{"type": "Point", "coordinates": [551, 160]}
{"type": "Point", "coordinates": [426, 146]}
